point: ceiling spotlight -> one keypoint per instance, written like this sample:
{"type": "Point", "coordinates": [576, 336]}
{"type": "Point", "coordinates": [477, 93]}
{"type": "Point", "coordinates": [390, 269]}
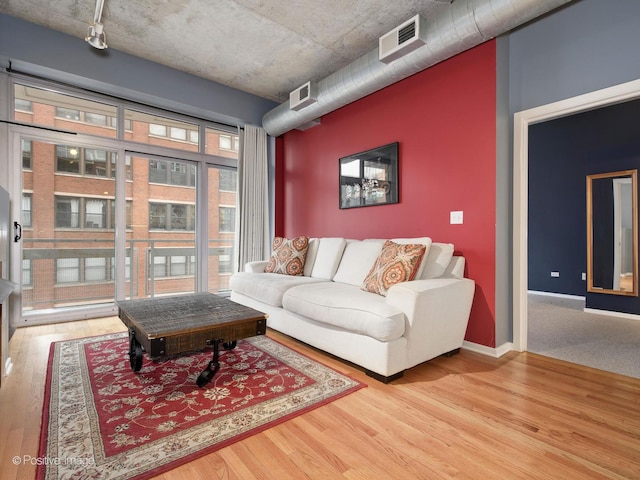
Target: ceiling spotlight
{"type": "Point", "coordinates": [95, 35]}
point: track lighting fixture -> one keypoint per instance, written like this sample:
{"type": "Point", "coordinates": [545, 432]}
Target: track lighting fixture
{"type": "Point", "coordinates": [95, 35]}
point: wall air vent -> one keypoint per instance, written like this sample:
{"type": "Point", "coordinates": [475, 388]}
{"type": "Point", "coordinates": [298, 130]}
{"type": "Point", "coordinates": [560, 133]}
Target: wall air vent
{"type": "Point", "coordinates": [302, 96]}
{"type": "Point", "coordinates": [402, 40]}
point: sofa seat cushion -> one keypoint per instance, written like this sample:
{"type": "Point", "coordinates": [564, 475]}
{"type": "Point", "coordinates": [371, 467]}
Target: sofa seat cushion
{"type": "Point", "coordinates": [267, 287]}
{"type": "Point", "coordinates": [348, 307]}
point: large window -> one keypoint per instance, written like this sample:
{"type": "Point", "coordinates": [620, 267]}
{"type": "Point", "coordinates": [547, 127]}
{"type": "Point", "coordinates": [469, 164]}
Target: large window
{"type": "Point", "coordinates": [71, 208]}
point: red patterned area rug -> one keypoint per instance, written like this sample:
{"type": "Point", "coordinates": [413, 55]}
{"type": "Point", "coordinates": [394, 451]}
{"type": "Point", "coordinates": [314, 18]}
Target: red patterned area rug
{"type": "Point", "coordinates": [102, 421]}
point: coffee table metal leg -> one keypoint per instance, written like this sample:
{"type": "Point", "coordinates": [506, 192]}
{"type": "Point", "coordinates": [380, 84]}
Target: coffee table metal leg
{"type": "Point", "coordinates": [230, 345]}
{"type": "Point", "coordinates": [135, 352]}
{"type": "Point", "coordinates": [213, 367]}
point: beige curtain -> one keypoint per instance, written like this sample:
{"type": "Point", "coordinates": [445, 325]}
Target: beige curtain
{"type": "Point", "coordinates": [253, 242]}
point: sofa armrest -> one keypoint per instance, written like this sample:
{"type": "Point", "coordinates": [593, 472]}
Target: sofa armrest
{"type": "Point", "coordinates": [256, 266]}
{"type": "Point", "coordinates": [437, 312]}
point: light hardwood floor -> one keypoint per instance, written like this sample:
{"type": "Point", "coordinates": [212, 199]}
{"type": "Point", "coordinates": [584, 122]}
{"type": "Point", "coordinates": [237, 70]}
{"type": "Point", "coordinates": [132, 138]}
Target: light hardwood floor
{"type": "Point", "coordinates": [469, 417]}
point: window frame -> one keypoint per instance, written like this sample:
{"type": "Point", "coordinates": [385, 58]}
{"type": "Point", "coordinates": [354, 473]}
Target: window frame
{"type": "Point", "coordinates": [122, 142]}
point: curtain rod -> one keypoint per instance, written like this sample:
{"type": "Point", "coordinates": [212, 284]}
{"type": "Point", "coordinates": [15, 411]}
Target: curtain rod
{"type": "Point", "coordinates": [30, 125]}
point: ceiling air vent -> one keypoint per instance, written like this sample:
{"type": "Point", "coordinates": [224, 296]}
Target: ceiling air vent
{"type": "Point", "coordinates": [302, 96]}
{"type": "Point", "coordinates": [402, 40]}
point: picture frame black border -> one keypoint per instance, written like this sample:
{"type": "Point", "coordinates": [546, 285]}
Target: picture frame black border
{"type": "Point", "coordinates": [392, 151]}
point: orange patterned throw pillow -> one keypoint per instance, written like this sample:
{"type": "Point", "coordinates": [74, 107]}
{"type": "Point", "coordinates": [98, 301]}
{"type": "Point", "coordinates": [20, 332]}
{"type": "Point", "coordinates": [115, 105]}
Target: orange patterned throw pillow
{"type": "Point", "coordinates": [288, 256]}
{"type": "Point", "coordinates": [396, 263]}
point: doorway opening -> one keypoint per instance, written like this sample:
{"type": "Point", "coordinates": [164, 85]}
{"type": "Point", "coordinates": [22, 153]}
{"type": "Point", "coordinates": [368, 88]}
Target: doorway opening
{"type": "Point", "coordinates": [522, 121]}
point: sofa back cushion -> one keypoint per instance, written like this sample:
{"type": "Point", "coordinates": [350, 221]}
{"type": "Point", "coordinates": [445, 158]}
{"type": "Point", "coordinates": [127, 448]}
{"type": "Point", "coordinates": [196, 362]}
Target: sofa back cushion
{"type": "Point", "coordinates": [437, 260]}
{"type": "Point", "coordinates": [357, 260]}
{"type": "Point", "coordinates": [312, 252]}
{"type": "Point", "coordinates": [328, 257]}
{"type": "Point", "coordinates": [455, 267]}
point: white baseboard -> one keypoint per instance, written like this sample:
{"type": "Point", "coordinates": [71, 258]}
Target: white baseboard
{"type": "Point", "coordinates": [629, 316]}
{"type": "Point", "coordinates": [558, 295]}
{"type": "Point", "coordinates": [496, 352]}
{"type": "Point", "coordinates": [8, 365]}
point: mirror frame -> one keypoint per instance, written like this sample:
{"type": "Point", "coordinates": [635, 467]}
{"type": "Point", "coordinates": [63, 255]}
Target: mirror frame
{"type": "Point", "coordinates": [634, 189]}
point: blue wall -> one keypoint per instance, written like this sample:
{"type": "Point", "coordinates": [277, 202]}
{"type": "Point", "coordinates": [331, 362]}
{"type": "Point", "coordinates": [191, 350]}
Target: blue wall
{"type": "Point", "coordinates": [584, 46]}
{"type": "Point", "coordinates": [37, 50]}
{"type": "Point", "coordinates": [562, 153]}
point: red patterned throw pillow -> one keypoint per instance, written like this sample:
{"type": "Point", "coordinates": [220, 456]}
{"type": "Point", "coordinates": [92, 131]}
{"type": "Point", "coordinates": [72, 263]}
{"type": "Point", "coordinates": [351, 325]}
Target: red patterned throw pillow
{"type": "Point", "coordinates": [288, 256]}
{"type": "Point", "coordinates": [396, 263]}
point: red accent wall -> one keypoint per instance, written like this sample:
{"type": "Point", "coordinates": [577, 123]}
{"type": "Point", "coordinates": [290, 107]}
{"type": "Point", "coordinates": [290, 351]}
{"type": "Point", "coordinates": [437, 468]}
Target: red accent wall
{"type": "Point", "coordinates": [444, 119]}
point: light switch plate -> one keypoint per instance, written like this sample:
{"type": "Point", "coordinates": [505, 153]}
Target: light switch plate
{"type": "Point", "coordinates": [455, 218]}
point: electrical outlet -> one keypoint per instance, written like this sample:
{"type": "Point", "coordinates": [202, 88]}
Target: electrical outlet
{"type": "Point", "coordinates": [555, 274]}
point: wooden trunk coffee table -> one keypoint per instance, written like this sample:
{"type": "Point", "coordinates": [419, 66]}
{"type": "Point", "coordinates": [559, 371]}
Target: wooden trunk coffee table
{"type": "Point", "coordinates": [165, 326]}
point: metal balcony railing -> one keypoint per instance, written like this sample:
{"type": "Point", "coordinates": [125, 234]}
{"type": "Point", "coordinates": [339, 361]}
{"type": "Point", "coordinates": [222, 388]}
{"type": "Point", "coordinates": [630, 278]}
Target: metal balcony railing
{"type": "Point", "coordinates": [66, 272]}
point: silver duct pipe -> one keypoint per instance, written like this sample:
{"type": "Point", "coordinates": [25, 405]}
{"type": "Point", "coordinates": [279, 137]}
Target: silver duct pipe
{"type": "Point", "coordinates": [464, 25]}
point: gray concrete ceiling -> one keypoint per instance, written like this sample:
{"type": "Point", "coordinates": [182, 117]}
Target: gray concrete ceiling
{"type": "Point", "coordinates": [264, 47]}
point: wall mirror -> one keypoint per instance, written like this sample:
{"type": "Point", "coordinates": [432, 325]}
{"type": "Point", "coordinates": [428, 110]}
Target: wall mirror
{"type": "Point", "coordinates": [612, 233]}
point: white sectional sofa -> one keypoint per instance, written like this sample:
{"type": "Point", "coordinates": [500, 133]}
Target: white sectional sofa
{"type": "Point", "coordinates": [326, 307]}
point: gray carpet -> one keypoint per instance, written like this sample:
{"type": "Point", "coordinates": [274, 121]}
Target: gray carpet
{"type": "Point", "coordinates": [559, 328]}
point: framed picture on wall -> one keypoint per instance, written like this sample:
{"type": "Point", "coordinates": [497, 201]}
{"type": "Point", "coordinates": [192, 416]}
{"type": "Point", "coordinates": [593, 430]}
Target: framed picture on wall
{"type": "Point", "coordinates": [369, 178]}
